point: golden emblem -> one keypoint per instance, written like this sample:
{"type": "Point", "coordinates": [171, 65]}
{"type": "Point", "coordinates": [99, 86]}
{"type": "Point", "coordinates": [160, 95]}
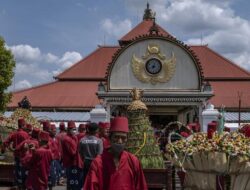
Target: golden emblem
{"type": "Point", "coordinates": [137, 104]}
{"type": "Point", "coordinates": [153, 66]}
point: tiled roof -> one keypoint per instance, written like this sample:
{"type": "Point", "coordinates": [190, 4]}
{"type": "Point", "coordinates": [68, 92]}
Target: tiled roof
{"type": "Point", "coordinates": [226, 93]}
{"type": "Point", "coordinates": [142, 29]}
{"type": "Point", "coordinates": [60, 94]}
{"type": "Point", "coordinates": [74, 89]}
{"type": "Point", "coordinates": [92, 66]}
{"type": "Point", "coordinates": [216, 66]}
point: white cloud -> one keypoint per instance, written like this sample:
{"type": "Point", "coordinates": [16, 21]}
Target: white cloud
{"type": "Point", "coordinates": [116, 29]}
{"type": "Point", "coordinates": [50, 58]}
{"type": "Point", "coordinates": [26, 52]}
{"type": "Point", "coordinates": [23, 84]}
{"type": "Point", "coordinates": [69, 58]}
{"type": "Point", "coordinates": [32, 70]}
{"type": "Point", "coordinates": [34, 67]}
{"type": "Point", "coordinates": [243, 59]}
{"type": "Point", "coordinates": [56, 72]}
{"type": "Point", "coordinates": [216, 21]}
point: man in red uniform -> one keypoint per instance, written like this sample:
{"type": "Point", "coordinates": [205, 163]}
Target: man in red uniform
{"type": "Point", "coordinates": [39, 164]}
{"type": "Point", "coordinates": [116, 168]}
{"type": "Point", "coordinates": [27, 145]}
{"type": "Point", "coordinates": [59, 137]}
{"type": "Point", "coordinates": [81, 131]}
{"type": "Point", "coordinates": [104, 133]}
{"type": "Point", "coordinates": [56, 155]}
{"type": "Point", "coordinates": [62, 131]}
{"type": "Point", "coordinates": [28, 128]}
{"type": "Point", "coordinates": [46, 126]}
{"type": "Point", "coordinates": [71, 158]}
{"type": "Point", "coordinates": [26, 148]}
{"type": "Point", "coordinates": [13, 140]}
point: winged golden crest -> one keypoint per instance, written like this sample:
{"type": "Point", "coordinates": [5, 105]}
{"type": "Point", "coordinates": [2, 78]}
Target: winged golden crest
{"type": "Point", "coordinates": [165, 71]}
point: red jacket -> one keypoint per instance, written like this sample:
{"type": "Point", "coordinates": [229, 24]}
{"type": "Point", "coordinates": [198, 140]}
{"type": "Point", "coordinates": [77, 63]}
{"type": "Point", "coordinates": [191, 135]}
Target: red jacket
{"type": "Point", "coordinates": [103, 174]}
{"type": "Point", "coordinates": [21, 149]}
{"type": "Point", "coordinates": [70, 154]}
{"type": "Point", "coordinates": [16, 138]}
{"type": "Point", "coordinates": [38, 164]}
{"type": "Point", "coordinates": [80, 136]}
{"type": "Point", "coordinates": [59, 138]}
{"type": "Point", "coordinates": [106, 142]}
{"type": "Point", "coordinates": [54, 147]}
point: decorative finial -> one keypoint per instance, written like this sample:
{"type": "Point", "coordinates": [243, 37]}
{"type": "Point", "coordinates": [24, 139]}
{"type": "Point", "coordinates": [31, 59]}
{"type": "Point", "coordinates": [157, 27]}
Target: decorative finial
{"type": "Point", "coordinates": [154, 28]}
{"type": "Point", "coordinates": [136, 104]}
{"type": "Point", "coordinates": [148, 14]}
{"type": "Point", "coordinates": [136, 93]}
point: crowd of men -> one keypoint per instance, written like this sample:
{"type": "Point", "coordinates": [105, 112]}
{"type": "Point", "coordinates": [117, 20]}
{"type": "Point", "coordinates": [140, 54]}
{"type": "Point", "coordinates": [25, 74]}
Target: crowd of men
{"type": "Point", "coordinates": [94, 158]}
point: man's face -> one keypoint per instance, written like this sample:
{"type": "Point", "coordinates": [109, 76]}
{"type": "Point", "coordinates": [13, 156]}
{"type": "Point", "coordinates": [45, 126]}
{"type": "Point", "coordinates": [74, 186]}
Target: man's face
{"type": "Point", "coordinates": [104, 132]}
{"type": "Point", "coordinates": [82, 130]}
{"type": "Point", "coordinates": [53, 132]}
{"type": "Point", "coordinates": [119, 138]}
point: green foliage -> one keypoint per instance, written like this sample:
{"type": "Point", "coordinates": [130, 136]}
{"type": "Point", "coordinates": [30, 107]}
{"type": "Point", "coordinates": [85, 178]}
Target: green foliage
{"type": "Point", "coordinates": [7, 65]}
{"type": "Point", "coordinates": [141, 140]}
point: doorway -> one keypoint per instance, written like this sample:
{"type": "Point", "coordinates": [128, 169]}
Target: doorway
{"type": "Point", "coordinates": [161, 120]}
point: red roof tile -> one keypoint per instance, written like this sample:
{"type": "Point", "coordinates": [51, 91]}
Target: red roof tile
{"type": "Point", "coordinates": [92, 66]}
{"type": "Point", "coordinates": [142, 29]}
{"type": "Point", "coordinates": [215, 65]}
{"type": "Point", "coordinates": [226, 93]}
{"type": "Point", "coordinates": [60, 94]}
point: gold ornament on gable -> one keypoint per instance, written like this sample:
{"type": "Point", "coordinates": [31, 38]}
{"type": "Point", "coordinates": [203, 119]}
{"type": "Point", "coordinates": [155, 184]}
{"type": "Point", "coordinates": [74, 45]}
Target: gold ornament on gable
{"type": "Point", "coordinates": [153, 67]}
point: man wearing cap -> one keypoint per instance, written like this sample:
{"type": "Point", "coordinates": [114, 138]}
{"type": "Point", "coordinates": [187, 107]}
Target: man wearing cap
{"type": "Point", "coordinates": [56, 157]}
{"type": "Point", "coordinates": [71, 158]}
{"type": "Point", "coordinates": [81, 131]}
{"type": "Point", "coordinates": [38, 164]}
{"type": "Point", "coordinates": [62, 131]}
{"type": "Point", "coordinates": [28, 128]}
{"type": "Point", "coordinates": [46, 126]}
{"type": "Point", "coordinates": [104, 133]}
{"type": "Point", "coordinates": [116, 168]}
{"type": "Point", "coordinates": [90, 146]}
{"type": "Point", "coordinates": [24, 147]}
{"type": "Point", "coordinates": [59, 137]}
{"type": "Point", "coordinates": [13, 140]}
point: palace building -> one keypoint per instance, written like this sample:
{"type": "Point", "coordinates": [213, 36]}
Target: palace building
{"type": "Point", "coordinates": [177, 80]}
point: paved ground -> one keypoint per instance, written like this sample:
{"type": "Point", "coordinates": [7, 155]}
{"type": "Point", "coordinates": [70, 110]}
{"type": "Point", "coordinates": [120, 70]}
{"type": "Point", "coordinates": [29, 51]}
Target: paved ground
{"type": "Point", "coordinates": [55, 188]}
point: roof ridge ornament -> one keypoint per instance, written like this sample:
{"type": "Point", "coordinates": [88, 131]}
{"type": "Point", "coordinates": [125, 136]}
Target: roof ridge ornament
{"type": "Point", "coordinates": [148, 13]}
{"type": "Point", "coordinates": [154, 29]}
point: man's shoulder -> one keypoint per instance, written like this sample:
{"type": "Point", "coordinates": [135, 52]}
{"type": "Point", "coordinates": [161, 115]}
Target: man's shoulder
{"type": "Point", "coordinates": [42, 150]}
{"type": "Point", "coordinates": [22, 132]}
{"type": "Point", "coordinates": [66, 138]}
{"type": "Point", "coordinates": [131, 156]}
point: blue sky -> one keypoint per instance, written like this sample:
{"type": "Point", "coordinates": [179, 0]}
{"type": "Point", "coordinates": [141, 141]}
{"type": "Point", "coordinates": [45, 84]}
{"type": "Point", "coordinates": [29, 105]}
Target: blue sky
{"type": "Point", "coordinates": [49, 36]}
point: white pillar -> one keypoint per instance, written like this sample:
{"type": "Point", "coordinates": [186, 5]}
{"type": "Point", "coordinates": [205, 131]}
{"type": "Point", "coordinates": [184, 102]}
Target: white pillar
{"type": "Point", "coordinates": [108, 111]}
{"type": "Point", "coordinates": [208, 115]}
{"type": "Point", "coordinates": [98, 114]}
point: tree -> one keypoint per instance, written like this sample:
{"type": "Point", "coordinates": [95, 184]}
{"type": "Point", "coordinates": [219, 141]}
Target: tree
{"type": "Point", "coordinates": [7, 65]}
